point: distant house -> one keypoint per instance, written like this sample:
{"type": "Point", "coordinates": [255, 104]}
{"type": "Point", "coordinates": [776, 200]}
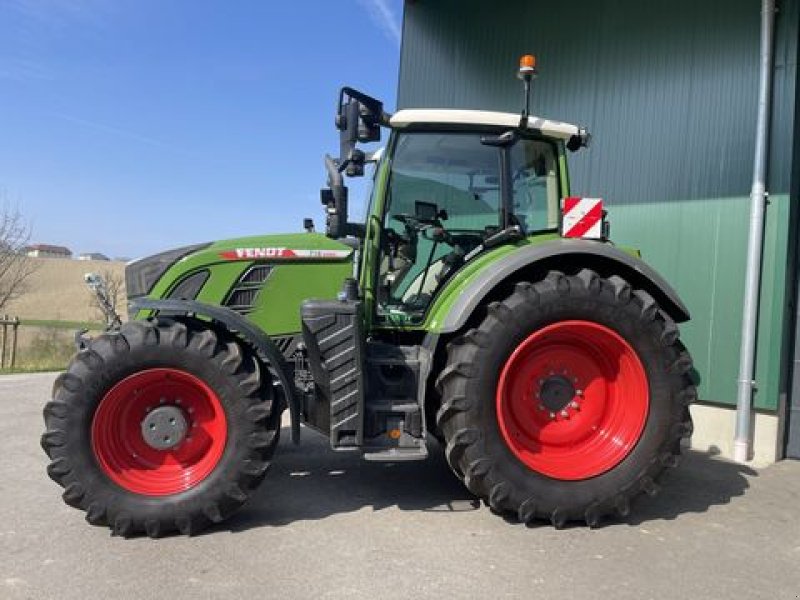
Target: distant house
{"type": "Point", "coordinates": [47, 251]}
{"type": "Point", "coordinates": [92, 256]}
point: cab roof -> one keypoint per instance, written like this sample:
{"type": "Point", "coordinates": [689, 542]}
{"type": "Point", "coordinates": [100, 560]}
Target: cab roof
{"type": "Point", "coordinates": [416, 116]}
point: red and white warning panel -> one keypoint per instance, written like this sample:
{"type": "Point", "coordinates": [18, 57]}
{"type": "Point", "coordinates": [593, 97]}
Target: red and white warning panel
{"type": "Point", "coordinates": [582, 218]}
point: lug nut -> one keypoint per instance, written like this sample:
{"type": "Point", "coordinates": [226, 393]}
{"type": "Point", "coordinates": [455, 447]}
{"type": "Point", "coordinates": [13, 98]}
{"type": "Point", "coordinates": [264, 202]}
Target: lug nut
{"type": "Point", "coordinates": [565, 414]}
{"type": "Point", "coordinates": [579, 392]}
{"type": "Point", "coordinates": [541, 407]}
{"type": "Point", "coordinates": [574, 405]}
{"type": "Point", "coordinates": [552, 415]}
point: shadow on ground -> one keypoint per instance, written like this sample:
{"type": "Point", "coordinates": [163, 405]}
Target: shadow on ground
{"type": "Point", "coordinates": [701, 481]}
{"type": "Point", "coordinates": [310, 481]}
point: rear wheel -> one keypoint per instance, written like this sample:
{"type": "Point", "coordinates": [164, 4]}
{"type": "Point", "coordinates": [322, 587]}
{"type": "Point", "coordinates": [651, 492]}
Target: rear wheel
{"type": "Point", "coordinates": [568, 400]}
{"type": "Point", "coordinates": [162, 426]}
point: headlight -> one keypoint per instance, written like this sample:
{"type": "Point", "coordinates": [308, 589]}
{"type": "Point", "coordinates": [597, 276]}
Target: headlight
{"type": "Point", "coordinates": [141, 275]}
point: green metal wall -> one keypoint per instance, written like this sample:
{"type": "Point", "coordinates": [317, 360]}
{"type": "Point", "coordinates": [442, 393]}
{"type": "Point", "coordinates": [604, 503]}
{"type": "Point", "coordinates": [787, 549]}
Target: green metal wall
{"type": "Point", "coordinates": [669, 92]}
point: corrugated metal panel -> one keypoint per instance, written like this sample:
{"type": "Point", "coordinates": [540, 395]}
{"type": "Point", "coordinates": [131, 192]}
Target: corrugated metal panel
{"type": "Point", "coordinates": [785, 92]}
{"type": "Point", "coordinates": [667, 88]}
{"type": "Point", "coordinates": [669, 92]}
{"type": "Point", "coordinates": [705, 267]}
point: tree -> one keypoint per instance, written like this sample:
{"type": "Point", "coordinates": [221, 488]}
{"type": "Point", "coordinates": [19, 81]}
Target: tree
{"type": "Point", "coordinates": [15, 266]}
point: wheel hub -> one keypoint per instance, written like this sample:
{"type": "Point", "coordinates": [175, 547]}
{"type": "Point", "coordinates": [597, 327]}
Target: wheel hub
{"type": "Point", "coordinates": [556, 392]}
{"type": "Point", "coordinates": [164, 427]}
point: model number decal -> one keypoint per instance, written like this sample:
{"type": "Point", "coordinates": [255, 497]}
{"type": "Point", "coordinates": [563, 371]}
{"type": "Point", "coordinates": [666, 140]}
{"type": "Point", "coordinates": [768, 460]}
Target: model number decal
{"type": "Point", "coordinates": [282, 254]}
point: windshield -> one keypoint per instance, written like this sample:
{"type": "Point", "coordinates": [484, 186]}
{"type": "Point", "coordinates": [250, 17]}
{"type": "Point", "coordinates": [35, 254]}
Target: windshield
{"type": "Point", "coordinates": [444, 200]}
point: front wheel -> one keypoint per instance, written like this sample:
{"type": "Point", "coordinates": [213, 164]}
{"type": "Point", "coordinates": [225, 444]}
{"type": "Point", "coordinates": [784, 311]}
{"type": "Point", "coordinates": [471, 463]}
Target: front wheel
{"type": "Point", "coordinates": [568, 400]}
{"type": "Point", "coordinates": [159, 427]}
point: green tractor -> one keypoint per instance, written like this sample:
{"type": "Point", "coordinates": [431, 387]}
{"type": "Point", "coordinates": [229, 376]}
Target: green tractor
{"type": "Point", "coordinates": [478, 304]}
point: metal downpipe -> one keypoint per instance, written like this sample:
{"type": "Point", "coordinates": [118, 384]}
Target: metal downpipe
{"type": "Point", "coordinates": [758, 195]}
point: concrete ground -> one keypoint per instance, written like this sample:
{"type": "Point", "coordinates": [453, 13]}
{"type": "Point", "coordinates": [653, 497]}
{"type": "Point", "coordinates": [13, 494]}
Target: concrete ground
{"type": "Point", "coordinates": [327, 525]}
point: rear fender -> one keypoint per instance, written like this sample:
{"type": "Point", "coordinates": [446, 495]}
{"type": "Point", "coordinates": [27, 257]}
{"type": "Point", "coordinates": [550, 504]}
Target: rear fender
{"type": "Point", "coordinates": [260, 342]}
{"type": "Point", "coordinates": [532, 261]}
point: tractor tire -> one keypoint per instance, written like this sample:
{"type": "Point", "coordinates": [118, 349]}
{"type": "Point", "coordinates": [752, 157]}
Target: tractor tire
{"type": "Point", "coordinates": [163, 426]}
{"type": "Point", "coordinates": [567, 401]}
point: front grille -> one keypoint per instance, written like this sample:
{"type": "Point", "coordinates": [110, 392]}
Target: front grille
{"type": "Point", "coordinates": [242, 298]}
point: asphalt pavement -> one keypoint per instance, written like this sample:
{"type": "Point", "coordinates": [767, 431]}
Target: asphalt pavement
{"type": "Point", "coordinates": [328, 525]}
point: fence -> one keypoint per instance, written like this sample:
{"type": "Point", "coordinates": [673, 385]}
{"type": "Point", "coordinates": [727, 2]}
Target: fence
{"type": "Point", "coordinates": [7, 323]}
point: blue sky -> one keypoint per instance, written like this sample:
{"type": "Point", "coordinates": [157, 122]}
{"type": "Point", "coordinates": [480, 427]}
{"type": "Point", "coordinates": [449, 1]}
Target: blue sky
{"type": "Point", "coordinates": [131, 126]}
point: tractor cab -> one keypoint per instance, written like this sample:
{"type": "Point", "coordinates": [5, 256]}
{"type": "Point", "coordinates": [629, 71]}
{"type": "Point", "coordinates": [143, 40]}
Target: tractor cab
{"type": "Point", "coordinates": [450, 185]}
{"type": "Point", "coordinates": [458, 183]}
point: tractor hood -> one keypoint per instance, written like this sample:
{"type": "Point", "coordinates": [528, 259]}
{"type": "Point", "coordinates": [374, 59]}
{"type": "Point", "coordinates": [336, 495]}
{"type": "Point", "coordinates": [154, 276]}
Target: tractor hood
{"type": "Point", "coordinates": [237, 273]}
{"type": "Point", "coordinates": [141, 275]}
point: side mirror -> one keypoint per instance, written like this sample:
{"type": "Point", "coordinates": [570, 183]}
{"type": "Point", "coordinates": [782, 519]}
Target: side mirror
{"type": "Point", "coordinates": [335, 202]}
{"type": "Point", "coordinates": [334, 198]}
{"type": "Point", "coordinates": [358, 118]}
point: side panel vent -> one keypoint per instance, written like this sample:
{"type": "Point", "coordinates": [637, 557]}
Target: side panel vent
{"type": "Point", "coordinates": [256, 274]}
{"type": "Point", "coordinates": [242, 298]}
{"type": "Point", "coordinates": [190, 286]}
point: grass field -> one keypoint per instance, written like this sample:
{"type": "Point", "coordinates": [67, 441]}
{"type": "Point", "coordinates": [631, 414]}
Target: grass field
{"type": "Point", "coordinates": [43, 348]}
{"type": "Point", "coordinates": [56, 291]}
{"type": "Point", "coordinates": [56, 324]}
{"type": "Point", "coordinates": [55, 305]}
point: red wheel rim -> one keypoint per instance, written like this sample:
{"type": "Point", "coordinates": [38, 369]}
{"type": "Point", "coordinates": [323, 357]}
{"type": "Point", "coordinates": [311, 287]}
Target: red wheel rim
{"type": "Point", "coordinates": [133, 464]}
{"type": "Point", "coordinates": [572, 400]}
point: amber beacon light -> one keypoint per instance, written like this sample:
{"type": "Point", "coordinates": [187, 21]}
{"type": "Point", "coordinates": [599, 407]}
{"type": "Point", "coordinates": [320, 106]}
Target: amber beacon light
{"type": "Point", "coordinates": [527, 66]}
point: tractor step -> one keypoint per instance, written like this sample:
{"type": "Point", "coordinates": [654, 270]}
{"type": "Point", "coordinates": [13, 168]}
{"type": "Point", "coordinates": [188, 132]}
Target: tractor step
{"type": "Point", "coordinates": [396, 454]}
{"type": "Point", "coordinates": [394, 424]}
